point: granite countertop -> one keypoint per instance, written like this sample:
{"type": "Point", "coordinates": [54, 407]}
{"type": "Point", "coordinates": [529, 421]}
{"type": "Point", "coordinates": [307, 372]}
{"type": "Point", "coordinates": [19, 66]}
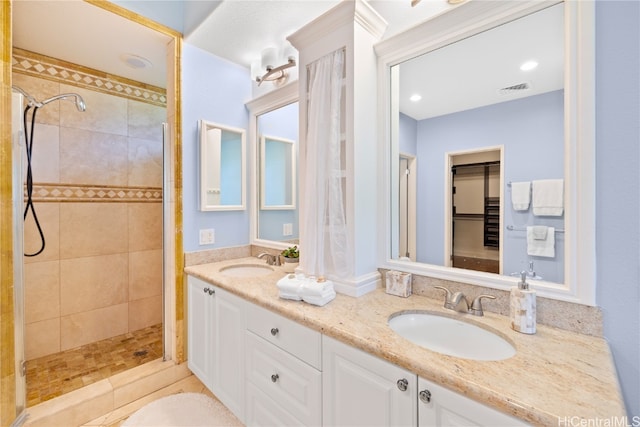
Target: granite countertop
{"type": "Point", "coordinates": [555, 375]}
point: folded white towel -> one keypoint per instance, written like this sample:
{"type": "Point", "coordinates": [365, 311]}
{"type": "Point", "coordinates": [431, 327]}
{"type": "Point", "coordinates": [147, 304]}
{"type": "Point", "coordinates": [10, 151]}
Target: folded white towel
{"type": "Point", "coordinates": [288, 287]}
{"type": "Point", "coordinates": [520, 195]}
{"type": "Point", "coordinates": [315, 288]}
{"type": "Point", "coordinates": [285, 295]}
{"type": "Point", "coordinates": [320, 300]}
{"type": "Point", "coordinates": [544, 247]}
{"type": "Point", "coordinates": [548, 197]}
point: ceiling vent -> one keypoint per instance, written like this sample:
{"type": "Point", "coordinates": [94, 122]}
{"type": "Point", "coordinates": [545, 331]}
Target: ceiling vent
{"type": "Point", "coordinates": [514, 89]}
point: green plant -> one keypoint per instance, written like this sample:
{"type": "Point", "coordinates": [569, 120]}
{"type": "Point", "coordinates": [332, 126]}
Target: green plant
{"type": "Point", "coordinates": [291, 252]}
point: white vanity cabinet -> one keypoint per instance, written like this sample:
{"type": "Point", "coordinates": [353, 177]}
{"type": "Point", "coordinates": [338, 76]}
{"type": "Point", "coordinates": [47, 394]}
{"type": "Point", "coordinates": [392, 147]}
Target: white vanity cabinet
{"type": "Point", "coordinates": [283, 377]}
{"type": "Point", "coordinates": [438, 406]}
{"type": "Point", "coordinates": [216, 322]}
{"type": "Point", "coordinates": [362, 390]}
{"type": "Point", "coordinates": [200, 323]}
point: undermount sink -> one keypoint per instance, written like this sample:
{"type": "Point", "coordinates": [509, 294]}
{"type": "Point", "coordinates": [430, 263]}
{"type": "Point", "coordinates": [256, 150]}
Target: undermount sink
{"type": "Point", "coordinates": [246, 270]}
{"type": "Point", "coordinates": [451, 336]}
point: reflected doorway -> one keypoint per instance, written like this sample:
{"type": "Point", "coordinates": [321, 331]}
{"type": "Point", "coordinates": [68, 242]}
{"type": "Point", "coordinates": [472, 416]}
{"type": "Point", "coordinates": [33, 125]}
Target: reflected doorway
{"type": "Point", "coordinates": [475, 179]}
{"type": "Point", "coordinates": [407, 207]}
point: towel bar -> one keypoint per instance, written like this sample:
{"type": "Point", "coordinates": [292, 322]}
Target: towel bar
{"type": "Point", "coordinates": [512, 228]}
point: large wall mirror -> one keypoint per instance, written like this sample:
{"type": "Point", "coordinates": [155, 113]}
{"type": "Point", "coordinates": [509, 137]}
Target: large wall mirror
{"type": "Point", "coordinates": [278, 135]}
{"type": "Point", "coordinates": [222, 167]}
{"type": "Point", "coordinates": [274, 141]}
{"type": "Point", "coordinates": [477, 111]}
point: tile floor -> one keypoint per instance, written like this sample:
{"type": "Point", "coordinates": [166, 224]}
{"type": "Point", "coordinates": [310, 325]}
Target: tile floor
{"type": "Point", "coordinates": [57, 374]}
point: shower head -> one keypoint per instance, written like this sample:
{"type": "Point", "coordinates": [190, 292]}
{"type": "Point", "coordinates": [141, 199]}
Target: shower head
{"type": "Point", "coordinates": [80, 105]}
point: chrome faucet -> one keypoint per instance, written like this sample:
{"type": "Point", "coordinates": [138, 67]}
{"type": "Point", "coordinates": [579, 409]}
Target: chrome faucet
{"type": "Point", "coordinates": [456, 301]}
{"type": "Point", "coordinates": [271, 259]}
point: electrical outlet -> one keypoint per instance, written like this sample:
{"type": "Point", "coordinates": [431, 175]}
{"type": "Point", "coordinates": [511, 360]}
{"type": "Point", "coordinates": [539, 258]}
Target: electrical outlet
{"type": "Point", "coordinates": [287, 229]}
{"type": "Point", "coordinates": [207, 236]}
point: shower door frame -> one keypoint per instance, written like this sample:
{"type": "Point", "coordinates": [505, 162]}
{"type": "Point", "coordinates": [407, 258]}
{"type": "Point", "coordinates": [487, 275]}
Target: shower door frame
{"type": "Point", "coordinates": [173, 257]}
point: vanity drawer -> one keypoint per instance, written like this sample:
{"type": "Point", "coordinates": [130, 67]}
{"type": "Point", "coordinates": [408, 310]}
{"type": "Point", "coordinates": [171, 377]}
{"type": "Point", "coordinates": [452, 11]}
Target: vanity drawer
{"type": "Point", "coordinates": [302, 342]}
{"type": "Point", "coordinates": [292, 384]}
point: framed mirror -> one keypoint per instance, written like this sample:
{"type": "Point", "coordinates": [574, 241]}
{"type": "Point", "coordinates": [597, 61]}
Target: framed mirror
{"type": "Point", "coordinates": [274, 135]}
{"type": "Point", "coordinates": [475, 99]}
{"type": "Point", "coordinates": [278, 175]}
{"type": "Point", "coordinates": [222, 167]}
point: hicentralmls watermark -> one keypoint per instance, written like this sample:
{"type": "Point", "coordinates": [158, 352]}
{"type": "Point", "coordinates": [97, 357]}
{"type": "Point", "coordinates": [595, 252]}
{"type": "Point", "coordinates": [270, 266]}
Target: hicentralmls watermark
{"type": "Point", "coordinates": [577, 421]}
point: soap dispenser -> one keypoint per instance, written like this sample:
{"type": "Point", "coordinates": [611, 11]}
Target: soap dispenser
{"type": "Point", "coordinates": [523, 307]}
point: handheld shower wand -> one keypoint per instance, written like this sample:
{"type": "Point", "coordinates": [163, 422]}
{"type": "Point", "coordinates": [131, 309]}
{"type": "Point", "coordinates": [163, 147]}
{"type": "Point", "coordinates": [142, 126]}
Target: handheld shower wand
{"type": "Point", "coordinates": [32, 103]}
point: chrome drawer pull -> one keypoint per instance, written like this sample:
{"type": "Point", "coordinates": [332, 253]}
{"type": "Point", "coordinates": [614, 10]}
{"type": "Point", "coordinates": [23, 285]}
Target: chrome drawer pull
{"type": "Point", "coordinates": [402, 384]}
{"type": "Point", "coordinates": [274, 331]}
{"type": "Point", "coordinates": [274, 378]}
{"type": "Point", "coordinates": [425, 396]}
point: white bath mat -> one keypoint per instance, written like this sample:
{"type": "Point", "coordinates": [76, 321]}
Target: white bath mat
{"type": "Point", "coordinates": [181, 410]}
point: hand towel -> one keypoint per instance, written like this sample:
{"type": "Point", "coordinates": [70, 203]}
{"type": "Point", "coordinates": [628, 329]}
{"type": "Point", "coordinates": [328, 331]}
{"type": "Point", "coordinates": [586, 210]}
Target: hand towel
{"type": "Point", "coordinates": [288, 287]}
{"type": "Point", "coordinates": [520, 195]}
{"type": "Point", "coordinates": [320, 300]}
{"type": "Point", "coordinates": [548, 197]}
{"type": "Point", "coordinates": [314, 288]}
{"type": "Point", "coordinates": [537, 246]}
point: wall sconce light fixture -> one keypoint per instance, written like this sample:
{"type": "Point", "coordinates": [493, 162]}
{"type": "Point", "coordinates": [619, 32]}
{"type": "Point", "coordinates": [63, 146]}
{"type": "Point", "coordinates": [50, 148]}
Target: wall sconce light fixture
{"type": "Point", "coordinates": [266, 69]}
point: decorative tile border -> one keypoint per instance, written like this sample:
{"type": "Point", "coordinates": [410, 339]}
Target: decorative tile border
{"type": "Point", "coordinates": [33, 64]}
{"type": "Point", "coordinates": [93, 193]}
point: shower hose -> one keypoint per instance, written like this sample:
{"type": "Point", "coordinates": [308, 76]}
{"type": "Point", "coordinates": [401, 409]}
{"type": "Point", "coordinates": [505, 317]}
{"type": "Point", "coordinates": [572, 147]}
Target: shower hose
{"type": "Point", "coordinates": [28, 136]}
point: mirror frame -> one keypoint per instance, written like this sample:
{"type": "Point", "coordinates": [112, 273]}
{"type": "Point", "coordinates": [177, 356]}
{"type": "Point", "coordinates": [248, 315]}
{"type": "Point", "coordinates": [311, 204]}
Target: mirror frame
{"type": "Point", "coordinates": [263, 168]}
{"type": "Point", "coordinates": [270, 101]}
{"type": "Point", "coordinates": [464, 21]}
{"type": "Point", "coordinates": [203, 127]}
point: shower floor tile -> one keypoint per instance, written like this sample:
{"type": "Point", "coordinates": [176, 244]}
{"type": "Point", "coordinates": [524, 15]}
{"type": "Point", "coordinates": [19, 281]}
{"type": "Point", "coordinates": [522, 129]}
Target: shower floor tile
{"type": "Point", "coordinates": [56, 374]}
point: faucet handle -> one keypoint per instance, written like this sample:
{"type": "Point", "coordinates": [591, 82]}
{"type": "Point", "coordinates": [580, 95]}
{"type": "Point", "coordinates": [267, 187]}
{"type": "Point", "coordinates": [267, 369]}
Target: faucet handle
{"type": "Point", "coordinates": [448, 292]}
{"type": "Point", "coordinates": [271, 259]}
{"type": "Point", "coordinates": [476, 305]}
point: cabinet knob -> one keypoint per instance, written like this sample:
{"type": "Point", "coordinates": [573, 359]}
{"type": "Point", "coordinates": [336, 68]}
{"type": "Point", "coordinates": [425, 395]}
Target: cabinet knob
{"type": "Point", "coordinates": [274, 378]}
{"type": "Point", "coordinates": [274, 331]}
{"type": "Point", "coordinates": [425, 396]}
{"type": "Point", "coordinates": [402, 384]}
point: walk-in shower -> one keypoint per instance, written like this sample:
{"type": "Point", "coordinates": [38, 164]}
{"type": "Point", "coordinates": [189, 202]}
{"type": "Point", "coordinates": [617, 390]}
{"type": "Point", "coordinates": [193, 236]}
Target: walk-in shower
{"type": "Point", "coordinates": [29, 132]}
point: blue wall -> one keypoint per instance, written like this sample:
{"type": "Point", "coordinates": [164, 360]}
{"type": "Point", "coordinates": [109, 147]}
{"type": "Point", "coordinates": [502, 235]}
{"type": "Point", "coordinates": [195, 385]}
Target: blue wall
{"type": "Point", "coordinates": [213, 89]}
{"type": "Point", "coordinates": [531, 130]}
{"type": "Point", "coordinates": [618, 187]}
{"type": "Point", "coordinates": [281, 123]}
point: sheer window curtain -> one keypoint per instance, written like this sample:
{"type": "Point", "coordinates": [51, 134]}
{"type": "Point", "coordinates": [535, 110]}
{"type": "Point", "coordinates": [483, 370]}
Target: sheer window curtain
{"type": "Point", "coordinates": [326, 250]}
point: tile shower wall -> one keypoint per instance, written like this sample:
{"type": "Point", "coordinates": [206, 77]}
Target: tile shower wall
{"type": "Point", "coordinates": [97, 192]}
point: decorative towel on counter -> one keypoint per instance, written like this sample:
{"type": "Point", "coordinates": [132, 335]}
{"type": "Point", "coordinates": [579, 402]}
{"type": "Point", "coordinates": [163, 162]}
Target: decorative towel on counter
{"type": "Point", "coordinates": [288, 287]}
{"type": "Point", "coordinates": [520, 195]}
{"type": "Point", "coordinates": [307, 289]}
{"type": "Point", "coordinates": [322, 299]}
{"type": "Point", "coordinates": [548, 197]}
{"type": "Point", "coordinates": [541, 241]}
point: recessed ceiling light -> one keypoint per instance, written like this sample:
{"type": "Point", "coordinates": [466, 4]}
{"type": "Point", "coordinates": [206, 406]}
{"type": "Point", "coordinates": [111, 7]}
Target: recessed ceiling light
{"type": "Point", "coordinates": [415, 98]}
{"type": "Point", "coordinates": [529, 65]}
{"type": "Point", "coordinates": [135, 61]}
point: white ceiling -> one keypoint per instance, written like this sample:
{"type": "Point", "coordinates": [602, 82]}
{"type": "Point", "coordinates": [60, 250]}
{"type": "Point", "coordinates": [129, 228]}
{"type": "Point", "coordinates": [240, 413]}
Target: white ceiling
{"type": "Point", "coordinates": [238, 30]}
{"type": "Point", "coordinates": [469, 74]}
{"type": "Point", "coordinates": [83, 34]}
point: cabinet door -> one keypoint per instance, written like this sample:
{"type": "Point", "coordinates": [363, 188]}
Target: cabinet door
{"type": "Point", "coordinates": [443, 407]}
{"type": "Point", "coordinates": [228, 352]}
{"type": "Point", "coordinates": [200, 318]}
{"type": "Point", "coordinates": [362, 390]}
